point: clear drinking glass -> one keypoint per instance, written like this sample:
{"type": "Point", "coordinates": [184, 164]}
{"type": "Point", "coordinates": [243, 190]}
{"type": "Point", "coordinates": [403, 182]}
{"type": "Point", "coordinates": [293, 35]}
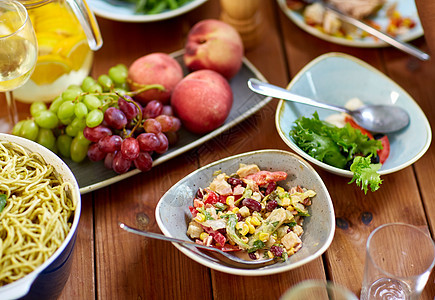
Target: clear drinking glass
{"type": "Point", "coordinates": [318, 290]}
{"type": "Point", "coordinates": [399, 259]}
{"type": "Point", "coordinates": [18, 53]}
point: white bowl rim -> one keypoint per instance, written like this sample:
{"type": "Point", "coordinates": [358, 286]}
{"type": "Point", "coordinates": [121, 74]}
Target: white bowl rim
{"type": "Point", "coordinates": [253, 272]}
{"type": "Point", "coordinates": [23, 285]}
{"type": "Point", "coordinates": [330, 168]}
{"type": "Point", "coordinates": [138, 18]}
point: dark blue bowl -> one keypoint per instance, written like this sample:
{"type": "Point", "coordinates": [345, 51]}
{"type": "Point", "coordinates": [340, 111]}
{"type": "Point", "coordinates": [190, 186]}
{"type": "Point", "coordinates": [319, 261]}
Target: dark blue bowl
{"type": "Point", "coordinates": [48, 280]}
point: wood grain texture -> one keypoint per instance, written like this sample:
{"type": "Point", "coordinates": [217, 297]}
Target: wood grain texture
{"type": "Point", "coordinates": [112, 264]}
{"type": "Point", "coordinates": [81, 282]}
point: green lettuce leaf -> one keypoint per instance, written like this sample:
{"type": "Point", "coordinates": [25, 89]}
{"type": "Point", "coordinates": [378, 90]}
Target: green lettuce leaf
{"type": "Point", "coordinates": [365, 173]}
{"type": "Point", "coordinates": [329, 143]}
{"type": "Point", "coordinates": [338, 146]}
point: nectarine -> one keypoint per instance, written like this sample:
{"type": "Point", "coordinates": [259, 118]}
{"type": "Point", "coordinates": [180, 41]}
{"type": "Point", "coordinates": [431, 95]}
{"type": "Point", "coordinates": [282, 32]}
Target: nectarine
{"type": "Point", "coordinates": [154, 68]}
{"type": "Point", "coordinates": [214, 45]}
{"type": "Point", "coordinates": [202, 100]}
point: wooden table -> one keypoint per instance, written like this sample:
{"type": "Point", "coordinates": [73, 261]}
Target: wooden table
{"type": "Point", "coordinates": [111, 264]}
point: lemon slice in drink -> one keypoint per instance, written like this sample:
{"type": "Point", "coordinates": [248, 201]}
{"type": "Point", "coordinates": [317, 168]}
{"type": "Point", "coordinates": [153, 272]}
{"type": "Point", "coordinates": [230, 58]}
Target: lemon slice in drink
{"type": "Point", "coordinates": [49, 68]}
{"type": "Point", "coordinates": [74, 49]}
{"type": "Point", "coordinates": [47, 42]}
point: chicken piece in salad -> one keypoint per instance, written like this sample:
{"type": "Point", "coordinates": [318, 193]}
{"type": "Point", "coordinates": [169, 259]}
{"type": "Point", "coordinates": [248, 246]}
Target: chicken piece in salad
{"type": "Point", "coordinates": [249, 213]}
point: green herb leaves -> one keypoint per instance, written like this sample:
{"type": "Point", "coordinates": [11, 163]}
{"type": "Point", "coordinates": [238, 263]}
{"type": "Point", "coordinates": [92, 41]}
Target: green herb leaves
{"type": "Point", "coordinates": [3, 198]}
{"type": "Point", "coordinates": [258, 244]}
{"type": "Point", "coordinates": [156, 6]}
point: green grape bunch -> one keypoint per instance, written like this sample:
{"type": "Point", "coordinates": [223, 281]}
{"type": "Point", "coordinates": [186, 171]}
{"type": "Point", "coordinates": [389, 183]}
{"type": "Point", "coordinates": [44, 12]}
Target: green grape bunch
{"type": "Point", "coordinates": [99, 119]}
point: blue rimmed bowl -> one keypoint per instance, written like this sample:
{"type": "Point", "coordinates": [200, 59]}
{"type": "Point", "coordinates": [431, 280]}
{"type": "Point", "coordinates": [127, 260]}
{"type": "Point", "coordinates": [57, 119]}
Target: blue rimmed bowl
{"type": "Point", "coordinates": [336, 78]}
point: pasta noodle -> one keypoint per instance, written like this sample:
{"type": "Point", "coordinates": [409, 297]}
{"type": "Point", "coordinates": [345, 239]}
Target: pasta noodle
{"type": "Point", "coordinates": [37, 215]}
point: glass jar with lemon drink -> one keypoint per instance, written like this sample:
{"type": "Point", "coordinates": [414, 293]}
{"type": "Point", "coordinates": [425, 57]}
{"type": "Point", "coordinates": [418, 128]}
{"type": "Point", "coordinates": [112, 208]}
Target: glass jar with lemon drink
{"type": "Point", "coordinates": [67, 34]}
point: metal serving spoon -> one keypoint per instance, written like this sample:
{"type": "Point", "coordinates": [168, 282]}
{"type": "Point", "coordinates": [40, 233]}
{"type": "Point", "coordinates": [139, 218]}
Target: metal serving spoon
{"type": "Point", "coordinates": [375, 118]}
{"type": "Point", "coordinates": [229, 258]}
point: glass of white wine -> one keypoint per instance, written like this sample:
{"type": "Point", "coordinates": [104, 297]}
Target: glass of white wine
{"type": "Point", "coordinates": [18, 54]}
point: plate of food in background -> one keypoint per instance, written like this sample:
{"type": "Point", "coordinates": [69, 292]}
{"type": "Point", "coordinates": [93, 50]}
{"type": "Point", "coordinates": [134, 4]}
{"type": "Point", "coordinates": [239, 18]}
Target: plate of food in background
{"type": "Point", "coordinates": [398, 18]}
{"type": "Point", "coordinates": [137, 11]}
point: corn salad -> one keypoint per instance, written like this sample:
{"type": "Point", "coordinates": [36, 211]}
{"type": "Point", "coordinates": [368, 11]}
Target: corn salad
{"type": "Point", "coordinates": [249, 212]}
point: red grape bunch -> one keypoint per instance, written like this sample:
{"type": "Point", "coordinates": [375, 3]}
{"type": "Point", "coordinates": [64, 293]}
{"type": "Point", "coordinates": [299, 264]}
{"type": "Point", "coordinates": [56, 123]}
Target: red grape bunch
{"type": "Point", "coordinates": [130, 134]}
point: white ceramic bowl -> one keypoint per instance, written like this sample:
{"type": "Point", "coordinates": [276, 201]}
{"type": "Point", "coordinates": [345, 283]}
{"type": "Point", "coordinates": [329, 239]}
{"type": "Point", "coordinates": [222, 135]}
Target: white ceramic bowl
{"type": "Point", "coordinates": [47, 280]}
{"type": "Point", "coordinates": [124, 11]}
{"type": "Point", "coordinates": [335, 78]}
{"type": "Point", "coordinates": [173, 215]}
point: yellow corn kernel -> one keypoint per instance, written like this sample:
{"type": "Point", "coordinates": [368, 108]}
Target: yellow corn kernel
{"type": "Point", "coordinates": [254, 221]}
{"type": "Point", "coordinates": [245, 239]}
{"type": "Point", "coordinates": [392, 28]}
{"type": "Point", "coordinates": [251, 228]}
{"type": "Point", "coordinates": [203, 236]}
{"type": "Point", "coordinates": [248, 220]}
{"type": "Point", "coordinates": [396, 14]}
{"type": "Point", "coordinates": [263, 236]}
{"type": "Point", "coordinates": [199, 217]}
{"type": "Point", "coordinates": [230, 200]}
{"type": "Point", "coordinates": [407, 22]}
{"type": "Point", "coordinates": [235, 210]}
{"type": "Point", "coordinates": [270, 254]}
{"type": "Point", "coordinates": [338, 34]}
{"type": "Point", "coordinates": [243, 228]}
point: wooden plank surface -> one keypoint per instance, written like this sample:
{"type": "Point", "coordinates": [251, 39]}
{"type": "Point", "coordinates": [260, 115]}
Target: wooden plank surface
{"type": "Point", "coordinates": [111, 264]}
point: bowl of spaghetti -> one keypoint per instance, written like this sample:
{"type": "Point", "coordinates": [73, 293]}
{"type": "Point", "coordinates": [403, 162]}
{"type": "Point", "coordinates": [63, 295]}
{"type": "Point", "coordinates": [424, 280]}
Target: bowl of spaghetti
{"type": "Point", "coordinates": [40, 208]}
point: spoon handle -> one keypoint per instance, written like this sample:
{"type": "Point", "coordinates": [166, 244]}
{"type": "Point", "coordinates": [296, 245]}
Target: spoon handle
{"type": "Point", "coordinates": [405, 47]}
{"type": "Point", "coordinates": [164, 238]}
{"type": "Point", "coordinates": [271, 90]}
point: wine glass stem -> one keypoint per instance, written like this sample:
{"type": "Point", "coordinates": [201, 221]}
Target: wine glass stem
{"type": "Point", "coordinates": [12, 108]}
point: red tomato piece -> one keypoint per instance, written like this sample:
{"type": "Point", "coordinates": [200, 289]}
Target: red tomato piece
{"type": "Point", "coordinates": [382, 153]}
{"type": "Point", "coordinates": [193, 211]}
{"type": "Point", "coordinates": [264, 177]}
{"type": "Point", "coordinates": [212, 198]}
{"type": "Point", "coordinates": [385, 151]}
{"type": "Point", "coordinates": [223, 199]}
{"type": "Point", "coordinates": [216, 235]}
{"type": "Point", "coordinates": [352, 123]}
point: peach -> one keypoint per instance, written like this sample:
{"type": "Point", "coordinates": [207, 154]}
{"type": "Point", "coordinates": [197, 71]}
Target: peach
{"type": "Point", "coordinates": [202, 100]}
{"type": "Point", "coordinates": [154, 68]}
{"type": "Point", "coordinates": [214, 45]}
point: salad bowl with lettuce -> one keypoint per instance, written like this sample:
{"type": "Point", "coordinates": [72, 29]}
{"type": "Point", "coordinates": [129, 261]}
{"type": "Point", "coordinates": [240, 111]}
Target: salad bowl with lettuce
{"type": "Point", "coordinates": [348, 150]}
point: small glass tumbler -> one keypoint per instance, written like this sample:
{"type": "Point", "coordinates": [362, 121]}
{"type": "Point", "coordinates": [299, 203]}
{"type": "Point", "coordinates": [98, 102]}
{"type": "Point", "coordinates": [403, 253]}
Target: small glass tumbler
{"type": "Point", "coordinates": [318, 290]}
{"type": "Point", "coordinates": [399, 259]}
